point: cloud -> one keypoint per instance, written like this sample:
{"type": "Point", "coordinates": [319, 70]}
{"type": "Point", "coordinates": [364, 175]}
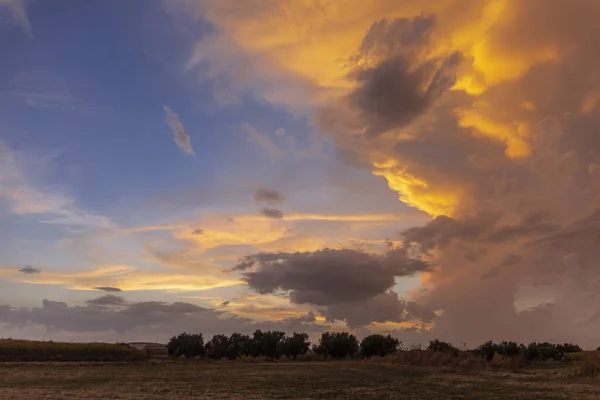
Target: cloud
{"type": "Point", "coordinates": [108, 288]}
{"type": "Point", "coordinates": [263, 140]}
{"type": "Point", "coordinates": [29, 270]}
{"type": "Point", "coordinates": [269, 196]}
{"type": "Point", "coordinates": [481, 114]}
{"type": "Point", "coordinates": [126, 278]}
{"type": "Point", "coordinates": [182, 139]}
{"type": "Point", "coordinates": [24, 198]}
{"type": "Point", "coordinates": [108, 300]}
{"type": "Point", "coordinates": [384, 307]}
{"type": "Point", "coordinates": [19, 15]}
{"type": "Point", "coordinates": [272, 213]}
{"type": "Point", "coordinates": [198, 231]}
{"type": "Point", "coordinates": [327, 276]}
{"type": "Point", "coordinates": [110, 316]}
{"type": "Point", "coordinates": [398, 89]}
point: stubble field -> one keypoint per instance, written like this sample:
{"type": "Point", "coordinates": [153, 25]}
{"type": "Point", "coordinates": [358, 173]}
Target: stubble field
{"type": "Point", "coordinates": [300, 380]}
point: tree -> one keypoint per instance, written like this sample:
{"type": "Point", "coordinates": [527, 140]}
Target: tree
{"type": "Point", "coordinates": [239, 345]}
{"type": "Point", "coordinates": [378, 346]}
{"type": "Point", "coordinates": [295, 345]}
{"type": "Point", "coordinates": [337, 345]}
{"type": "Point", "coordinates": [216, 348]}
{"type": "Point", "coordinates": [267, 344]}
{"type": "Point", "coordinates": [186, 344]}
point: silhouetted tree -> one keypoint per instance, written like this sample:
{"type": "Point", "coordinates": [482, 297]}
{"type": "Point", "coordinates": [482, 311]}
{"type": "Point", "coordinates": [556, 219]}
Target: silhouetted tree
{"type": "Point", "coordinates": [337, 345]}
{"type": "Point", "coordinates": [239, 345]}
{"type": "Point", "coordinates": [267, 344]}
{"type": "Point", "coordinates": [216, 348]}
{"type": "Point", "coordinates": [186, 344]}
{"type": "Point", "coordinates": [378, 346]}
{"type": "Point", "coordinates": [295, 345]}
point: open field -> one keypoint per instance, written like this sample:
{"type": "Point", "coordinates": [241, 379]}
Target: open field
{"type": "Point", "coordinates": [299, 380]}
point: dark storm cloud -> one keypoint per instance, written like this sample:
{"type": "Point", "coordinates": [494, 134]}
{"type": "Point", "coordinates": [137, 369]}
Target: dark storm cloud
{"type": "Point", "coordinates": [391, 94]}
{"type": "Point", "coordinates": [29, 270]}
{"type": "Point", "coordinates": [108, 300]}
{"type": "Point", "coordinates": [328, 276]}
{"type": "Point", "coordinates": [108, 288]}
{"type": "Point", "coordinates": [269, 196]}
{"type": "Point", "coordinates": [485, 227]}
{"type": "Point", "coordinates": [400, 88]}
{"type": "Point", "coordinates": [272, 213]}
{"type": "Point", "coordinates": [384, 307]}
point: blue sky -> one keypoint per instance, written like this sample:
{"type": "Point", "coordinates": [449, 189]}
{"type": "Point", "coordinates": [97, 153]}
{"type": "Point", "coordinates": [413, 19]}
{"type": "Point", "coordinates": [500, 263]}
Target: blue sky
{"type": "Point", "coordinates": [95, 182]}
{"type": "Point", "coordinates": [428, 168]}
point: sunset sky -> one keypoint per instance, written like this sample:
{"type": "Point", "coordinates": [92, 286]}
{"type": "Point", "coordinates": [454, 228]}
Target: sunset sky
{"type": "Point", "coordinates": [429, 169]}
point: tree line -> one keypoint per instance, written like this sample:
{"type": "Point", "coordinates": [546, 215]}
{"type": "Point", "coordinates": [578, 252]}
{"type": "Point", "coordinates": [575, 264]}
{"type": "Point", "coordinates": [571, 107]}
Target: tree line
{"type": "Point", "coordinates": [339, 345]}
{"type": "Point", "coordinates": [275, 344]}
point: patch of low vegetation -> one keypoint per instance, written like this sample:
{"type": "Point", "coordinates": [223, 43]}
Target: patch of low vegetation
{"type": "Point", "coordinates": [26, 350]}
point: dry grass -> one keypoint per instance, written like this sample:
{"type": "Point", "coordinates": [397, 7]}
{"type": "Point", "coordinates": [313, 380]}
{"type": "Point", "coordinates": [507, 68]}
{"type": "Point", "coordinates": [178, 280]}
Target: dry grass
{"type": "Point", "coordinates": [279, 380]}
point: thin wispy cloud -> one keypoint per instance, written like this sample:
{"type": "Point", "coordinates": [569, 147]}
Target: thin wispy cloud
{"type": "Point", "coordinates": [24, 198]}
{"type": "Point", "coordinates": [182, 139]}
{"type": "Point", "coordinates": [18, 13]}
{"type": "Point", "coordinates": [263, 140]}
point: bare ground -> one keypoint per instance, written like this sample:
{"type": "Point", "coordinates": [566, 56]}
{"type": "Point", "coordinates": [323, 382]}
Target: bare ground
{"type": "Point", "coordinates": [300, 380]}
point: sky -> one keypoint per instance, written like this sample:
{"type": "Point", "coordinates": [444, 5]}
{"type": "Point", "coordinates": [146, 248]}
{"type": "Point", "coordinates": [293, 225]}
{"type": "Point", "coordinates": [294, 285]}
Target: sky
{"type": "Point", "coordinates": [428, 169]}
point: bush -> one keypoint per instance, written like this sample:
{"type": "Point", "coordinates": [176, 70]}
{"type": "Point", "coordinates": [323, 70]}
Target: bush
{"type": "Point", "coordinates": [337, 345]}
{"type": "Point", "coordinates": [378, 346]}
{"type": "Point", "coordinates": [25, 350]}
{"type": "Point", "coordinates": [189, 345]}
{"type": "Point", "coordinates": [439, 346]}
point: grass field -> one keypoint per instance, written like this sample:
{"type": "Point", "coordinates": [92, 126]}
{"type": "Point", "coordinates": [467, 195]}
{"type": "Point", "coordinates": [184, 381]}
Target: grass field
{"type": "Point", "coordinates": [300, 380]}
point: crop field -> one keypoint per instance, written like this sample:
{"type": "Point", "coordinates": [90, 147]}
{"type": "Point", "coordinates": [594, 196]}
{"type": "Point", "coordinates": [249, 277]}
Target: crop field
{"type": "Point", "coordinates": [283, 380]}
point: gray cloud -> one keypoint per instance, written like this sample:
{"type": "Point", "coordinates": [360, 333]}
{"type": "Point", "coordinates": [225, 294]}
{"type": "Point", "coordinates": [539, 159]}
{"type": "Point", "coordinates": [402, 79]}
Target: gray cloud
{"type": "Point", "coordinates": [198, 232]}
{"type": "Point", "coordinates": [152, 320]}
{"type": "Point", "coordinates": [108, 288]}
{"type": "Point", "coordinates": [272, 197]}
{"type": "Point", "coordinates": [272, 213]}
{"type": "Point", "coordinates": [383, 307]}
{"type": "Point", "coordinates": [401, 87]}
{"type": "Point", "coordinates": [29, 270]}
{"type": "Point", "coordinates": [108, 300]}
{"type": "Point", "coordinates": [328, 276]}
{"type": "Point", "coordinates": [182, 139]}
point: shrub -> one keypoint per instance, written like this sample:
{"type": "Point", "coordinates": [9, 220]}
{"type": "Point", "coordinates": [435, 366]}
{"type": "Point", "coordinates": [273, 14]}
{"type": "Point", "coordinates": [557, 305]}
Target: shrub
{"type": "Point", "coordinates": [378, 345]}
{"type": "Point", "coordinates": [25, 350]}
{"type": "Point", "coordinates": [439, 346]}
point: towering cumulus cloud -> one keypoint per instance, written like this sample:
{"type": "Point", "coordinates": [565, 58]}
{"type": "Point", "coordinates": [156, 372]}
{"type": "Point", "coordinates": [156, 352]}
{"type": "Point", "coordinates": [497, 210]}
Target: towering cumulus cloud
{"type": "Point", "coordinates": [483, 114]}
